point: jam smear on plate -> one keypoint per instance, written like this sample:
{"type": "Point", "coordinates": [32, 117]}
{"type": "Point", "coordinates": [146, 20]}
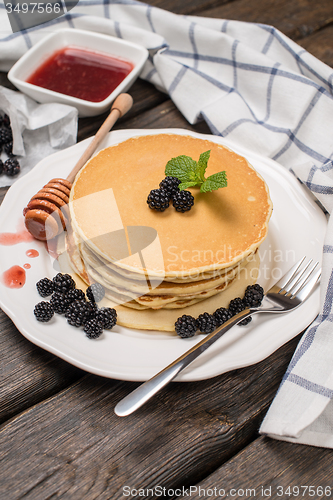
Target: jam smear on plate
{"type": "Point", "coordinates": [81, 73]}
{"type": "Point", "coordinates": [32, 253]}
{"type": "Point", "coordinates": [14, 277]}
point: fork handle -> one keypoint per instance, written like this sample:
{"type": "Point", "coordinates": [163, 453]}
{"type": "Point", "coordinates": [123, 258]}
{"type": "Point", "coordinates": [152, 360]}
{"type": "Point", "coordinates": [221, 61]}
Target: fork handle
{"type": "Point", "coordinates": [145, 391]}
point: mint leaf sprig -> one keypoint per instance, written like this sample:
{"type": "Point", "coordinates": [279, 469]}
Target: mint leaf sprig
{"type": "Point", "coordinates": [192, 173]}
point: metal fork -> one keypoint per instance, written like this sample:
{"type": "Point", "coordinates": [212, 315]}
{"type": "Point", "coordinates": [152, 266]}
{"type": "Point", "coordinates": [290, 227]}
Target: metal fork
{"type": "Point", "coordinates": [287, 294]}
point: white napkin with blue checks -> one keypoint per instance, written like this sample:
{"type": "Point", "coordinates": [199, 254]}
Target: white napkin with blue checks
{"type": "Point", "coordinates": [256, 87]}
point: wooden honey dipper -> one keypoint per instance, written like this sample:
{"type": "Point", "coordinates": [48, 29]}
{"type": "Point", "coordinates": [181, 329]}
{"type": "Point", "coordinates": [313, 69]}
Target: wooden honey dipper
{"type": "Point", "coordinates": [46, 214]}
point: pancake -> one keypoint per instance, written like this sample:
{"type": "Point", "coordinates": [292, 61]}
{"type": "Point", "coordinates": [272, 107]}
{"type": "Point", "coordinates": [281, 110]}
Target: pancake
{"type": "Point", "coordinates": [109, 196]}
{"type": "Point", "coordinates": [156, 266]}
{"type": "Point", "coordinates": [164, 319]}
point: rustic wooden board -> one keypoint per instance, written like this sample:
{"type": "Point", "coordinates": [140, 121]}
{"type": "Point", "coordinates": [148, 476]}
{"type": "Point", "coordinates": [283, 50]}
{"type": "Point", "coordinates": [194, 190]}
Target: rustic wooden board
{"type": "Point", "coordinates": [73, 445]}
{"type": "Point", "coordinates": [166, 115]}
{"type": "Point", "coordinates": [320, 44]}
{"type": "Point", "coordinates": [188, 7]}
{"type": "Point", "coordinates": [271, 469]}
{"type": "Point", "coordinates": [145, 97]}
{"type": "Point", "coordinates": [296, 19]}
{"type": "Point", "coordinates": [28, 374]}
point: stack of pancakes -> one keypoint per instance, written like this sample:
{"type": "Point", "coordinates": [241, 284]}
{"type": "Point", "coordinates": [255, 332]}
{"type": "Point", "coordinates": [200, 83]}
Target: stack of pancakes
{"type": "Point", "coordinates": [156, 266]}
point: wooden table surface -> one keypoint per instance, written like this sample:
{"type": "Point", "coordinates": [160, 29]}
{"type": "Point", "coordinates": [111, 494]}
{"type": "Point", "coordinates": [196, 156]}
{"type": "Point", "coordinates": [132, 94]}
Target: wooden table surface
{"type": "Point", "coordinates": [59, 437]}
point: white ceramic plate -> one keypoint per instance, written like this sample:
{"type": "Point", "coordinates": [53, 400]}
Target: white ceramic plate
{"type": "Point", "coordinates": [297, 228]}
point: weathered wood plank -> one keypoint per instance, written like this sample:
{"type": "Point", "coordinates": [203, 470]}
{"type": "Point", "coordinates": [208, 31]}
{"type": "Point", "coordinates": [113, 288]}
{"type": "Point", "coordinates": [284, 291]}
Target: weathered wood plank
{"type": "Point", "coordinates": [73, 445]}
{"type": "Point", "coordinates": [296, 19]}
{"type": "Point", "coordinates": [320, 44]}
{"type": "Point", "coordinates": [271, 469]}
{"type": "Point", "coordinates": [28, 374]}
{"type": "Point", "coordinates": [166, 115]}
{"type": "Point", "coordinates": [3, 192]}
{"type": "Point", "coordinates": [187, 7]}
{"type": "Point", "coordinates": [145, 97]}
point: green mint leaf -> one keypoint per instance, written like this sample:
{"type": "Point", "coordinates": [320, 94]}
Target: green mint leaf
{"type": "Point", "coordinates": [192, 173]}
{"type": "Point", "coordinates": [214, 182]}
{"type": "Point", "coordinates": [185, 185]}
{"type": "Point", "coordinates": [182, 167]}
{"type": "Point", "coordinates": [202, 165]}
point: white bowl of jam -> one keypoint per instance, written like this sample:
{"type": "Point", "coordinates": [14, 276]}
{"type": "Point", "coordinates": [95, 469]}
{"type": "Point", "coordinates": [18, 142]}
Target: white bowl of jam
{"type": "Point", "coordinates": [80, 68]}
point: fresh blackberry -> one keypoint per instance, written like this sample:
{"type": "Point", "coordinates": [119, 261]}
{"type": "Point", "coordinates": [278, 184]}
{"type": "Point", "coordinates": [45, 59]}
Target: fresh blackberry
{"type": "Point", "coordinates": [75, 294]}
{"type": "Point", "coordinates": [236, 306]}
{"type": "Point", "coordinates": [170, 185]}
{"type": "Point", "coordinates": [107, 316]}
{"type": "Point", "coordinates": [59, 302]}
{"type": "Point", "coordinates": [93, 309]}
{"type": "Point", "coordinates": [158, 199]}
{"type": "Point", "coordinates": [206, 323]}
{"type": "Point", "coordinates": [253, 296]}
{"type": "Point", "coordinates": [95, 292]}
{"type": "Point", "coordinates": [245, 321]}
{"type": "Point", "coordinates": [1, 165]}
{"type": "Point", "coordinates": [8, 148]}
{"type": "Point", "coordinates": [78, 313]}
{"type": "Point", "coordinates": [11, 167]}
{"type": "Point", "coordinates": [93, 329]}
{"type": "Point", "coordinates": [45, 287]}
{"type": "Point", "coordinates": [186, 326]}
{"type": "Point", "coordinates": [5, 121]}
{"type": "Point", "coordinates": [5, 135]}
{"type": "Point", "coordinates": [43, 311]}
{"type": "Point", "coordinates": [221, 315]}
{"type": "Point", "coordinates": [63, 283]}
{"type": "Point", "coordinates": [183, 201]}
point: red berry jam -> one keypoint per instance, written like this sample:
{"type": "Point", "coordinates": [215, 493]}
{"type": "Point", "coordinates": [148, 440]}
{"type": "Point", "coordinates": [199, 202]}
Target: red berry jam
{"type": "Point", "coordinates": [81, 73]}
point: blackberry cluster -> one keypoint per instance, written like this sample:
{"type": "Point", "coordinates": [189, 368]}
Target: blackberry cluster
{"type": "Point", "coordinates": [59, 302]}
{"type": "Point", "coordinates": [63, 283]}
{"type": "Point", "coordinates": [78, 313]}
{"type": "Point", "coordinates": [221, 315]}
{"type": "Point", "coordinates": [66, 299]}
{"type": "Point", "coordinates": [253, 295]}
{"type": "Point", "coordinates": [183, 201]}
{"type": "Point", "coordinates": [10, 166]}
{"type": "Point", "coordinates": [159, 199]}
{"type": "Point", "coordinates": [170, 185]}
{"type": "Point", "coordinates": [45, 287]}
{"type": "Point", "coordinates": [107, 316]}
{"type": "Point", "coordinates": [186, 326]}
{"type": "Point", "coordinates": [75, 294]}
{"type": "Point", "coordinates": [43, 311]}
{"type": "Point", "coordinates": [5, 135]}
{"type": "Point", "coordinates": [93, 329]}
{"type": "Point", "coordinates": [95, 292]}
{"type": "Point", "coordinates": [206, 323]}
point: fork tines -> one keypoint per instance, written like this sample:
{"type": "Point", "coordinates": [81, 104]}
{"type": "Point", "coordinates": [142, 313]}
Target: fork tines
{"type": "Point", "coordinates": [299, 277]}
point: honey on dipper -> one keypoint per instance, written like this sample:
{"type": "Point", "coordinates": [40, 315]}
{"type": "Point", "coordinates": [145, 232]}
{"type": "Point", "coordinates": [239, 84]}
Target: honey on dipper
{"type": "Point", "coordinates": [46, 214]}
